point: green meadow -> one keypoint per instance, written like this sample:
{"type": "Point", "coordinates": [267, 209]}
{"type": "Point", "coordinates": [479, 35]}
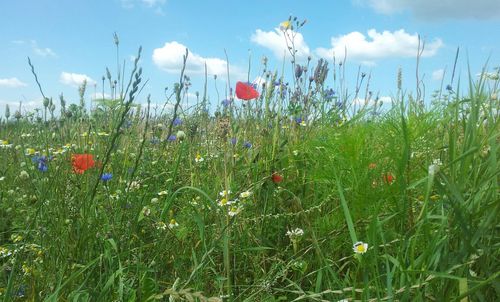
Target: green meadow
{"type": "Point", "coordinates": [303, 193]}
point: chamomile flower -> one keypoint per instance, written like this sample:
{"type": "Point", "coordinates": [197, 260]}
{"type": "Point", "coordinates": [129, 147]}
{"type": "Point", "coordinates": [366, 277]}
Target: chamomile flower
{"type": "Point", "coordinates": [245, 194]}
{"type": "Point", "coordinates": [234, 210]}
{"type": "Point", "coordinates": [360, 247]}
{"type": "Point", "coordinates": [295, 233]}
{"type": "Point", "coordinates": [198, 158]}
{"type": "Point", "coordinates": [173, 224]}
{"type": "Point", "coordinates": [161, 193]}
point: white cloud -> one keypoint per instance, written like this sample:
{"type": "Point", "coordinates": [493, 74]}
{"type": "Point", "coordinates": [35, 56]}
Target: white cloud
{"type": "Point", "coordinates": [42, 51]}
{"type": "Point", "coordinates": [275, 41]}
{"type": "Point", "coordinates": [14, 106]}
{"type": "Point", "coordinates": [12, 83]}
{"type": "Point", "coordinates": [152, 3]}
{"type": "Point", "coordinates": [437, 75]}
{"type": "Point", "coordinates": [440, 9]}
{"type": "Point", "coordinates": [375, 46]}
{"type": "Point", "coordinates": [169, 58]}
{"type": "Point", "coordinates": [75, 79]}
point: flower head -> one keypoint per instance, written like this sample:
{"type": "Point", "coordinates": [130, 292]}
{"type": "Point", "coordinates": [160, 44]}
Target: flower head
{"type": "Point", "coordinates": [82, 162]}
{"type": "Point", "coordinates": [360, 247]}
{"type": "Point", "coordinates": [245, 91]}
{"type": "Point", "coordinates": [277, 178]}
{"type": "Point", "coordinates": [198, 158]}
{"type": "Point", "coordinates": [106, 177]}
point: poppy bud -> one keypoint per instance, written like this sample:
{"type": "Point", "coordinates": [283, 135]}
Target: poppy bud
{"type": "Point", "coordinates": [277, 178]}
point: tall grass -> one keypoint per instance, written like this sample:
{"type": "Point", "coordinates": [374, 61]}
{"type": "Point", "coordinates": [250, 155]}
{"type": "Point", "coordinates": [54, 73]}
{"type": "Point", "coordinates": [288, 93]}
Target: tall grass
{"type": "Point", "coordinates": [204, 217]}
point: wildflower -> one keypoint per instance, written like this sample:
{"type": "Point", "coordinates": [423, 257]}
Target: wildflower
{"type": "Point", "coordinates": [181, 135]}
{"type": "Point", "coordinates": [303, 123]}
{"type": "Point", "coordinates": [146, 211]}
{"type": "Point", "coordinates": [177, 121]}
{"type": "Point", "coordinates": [2, 178]}
{"type": "Point", "coordinates": [106, 177]}
{"type": "Point", "coordinates": [41, 162]}
{"type": "Point", "coordinates": [234, 210]}
{"type": "Point", "coordinates": [4, 252]}
{"type": "Point", "coordinates": [198, 158]}
{"type": "Point", "coordinates": [233, 141]}
{"type": "Point", "coordinates": [295, 233]}
{"type": "Point", "coordinates": [360, 247]}
{"type": "Point", "coordinates": [82, 162]}
{"type": "Point", "coordinates": [225, 193]}
{"type": "Point", "coordinates": [433, 169]}
{"type": "Point", "coordinates": [154, 200]}
{"type": "Point", "coordinates": [30, 151]}
{"type": "Point", "coordinates": [161, 226]}
{"type": "Point", "coordinates": [24, 175]}
{"type": "Point", "coordinates": [295, 152]}
{"type": "Point", "coordinates": [277, 178]}
{"type": "Point", "coordinates": [223, 202]}
{"type": "Point", "coordinates": [161, 193]}
{"type": "Point", "coordinates": [285, 25]}
{"type": "Point", "coordinates": [245, 194]}
{"type": "Point", "coordinates": [389, 178]}
{"type": "Point", "coordinates": [172, 138]}
{"type": "Point", "coordinates": [245, 91]}
{"type": "Point", "coordinates": [247, 145]}
{"type": "Point", "coordinates": [226, 102]}
{"type": "Point", "coordinates": [173, 224]}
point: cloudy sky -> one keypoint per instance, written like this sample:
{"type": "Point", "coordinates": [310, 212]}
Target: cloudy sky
{"type": "Point", "coordinates": [72, 41]}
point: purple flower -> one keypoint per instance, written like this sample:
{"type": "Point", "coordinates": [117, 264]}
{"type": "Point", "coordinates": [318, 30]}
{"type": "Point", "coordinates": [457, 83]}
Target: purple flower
{"type": "Point", "coordinates": [233, 141]}
{"type": "Point", "coordinates": [177, 121]}
{"type": "Point", "coordinates": [172, 138]}
{"type": "Point", "coordinates": [106, 177]}
{"type": "Point", "coordinates": [298, 120]}
{"type": "Point", "coordinates": [247, 144]}
{"type": "Point", "coordinates": [226, 102]}
{"type": "Point", "coordinates": [329, 93]}
{"type": "Point", "coordinates": [41, 162]}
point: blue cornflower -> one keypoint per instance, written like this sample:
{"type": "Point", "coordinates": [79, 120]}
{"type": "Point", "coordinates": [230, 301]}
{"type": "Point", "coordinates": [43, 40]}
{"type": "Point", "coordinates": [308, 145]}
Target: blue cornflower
{"type": "Point", "coordinates": [233, 141]}
{"type": "Point", "coordinates": [41, 162]}
{"type": "Point", "coordinates": [298, 120]}
{"type": "Point", "coordinates": [172, 138]}
{"type": "Point", "coordinates": [247, 145]}
{"type": "Point", "coordinates": [226, 102]}
{"type": "Point", "coordinates": [329, 93]}
{"type": "Point", "coordinates": [449, 88]}
{"type": "Point", "coordinates": [177, 121]}
{"type": "Point", "coordinates": [106, 177]}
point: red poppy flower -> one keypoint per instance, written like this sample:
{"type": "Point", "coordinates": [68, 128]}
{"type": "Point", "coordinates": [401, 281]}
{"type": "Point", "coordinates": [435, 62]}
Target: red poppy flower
{"type": "Point", "coordinates": [389, 178]}
{"type": "Point", "coordinates": [276, 178]}
{"type": "Point", "coordinates": [246, 91]}
{"type": "Point", "coordinates": [82, 162]}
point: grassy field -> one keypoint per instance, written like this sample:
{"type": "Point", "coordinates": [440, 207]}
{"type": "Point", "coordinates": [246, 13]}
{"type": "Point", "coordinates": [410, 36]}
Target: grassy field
{"type": "Point", "coordinates": [302, 194]}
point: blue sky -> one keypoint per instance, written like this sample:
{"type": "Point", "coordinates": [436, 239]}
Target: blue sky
{"type": "Point", "coordinates": [69, 41]}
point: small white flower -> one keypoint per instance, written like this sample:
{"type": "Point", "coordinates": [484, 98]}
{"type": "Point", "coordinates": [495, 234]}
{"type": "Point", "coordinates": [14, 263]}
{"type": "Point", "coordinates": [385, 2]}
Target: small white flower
{"type": "Point", "coordinates": [173, 224]}
{"type": "Point", "coordinates": [198, 158]}
{"type": "Point", "coordinates": [154, 200]}
{"type": "Point", "coordinates": [245, 194]}
{"type": "Point", "coordinates": [433, 169]}
{"type": "Point", "coordinates": [234, 210]}
{"type": "Point", "coordinates": [2, 178]}
{"type": "Point", "coordinates": [360, 247]}
{"type": "Point", "coordinates": [24, 175]}
{"type": "Point", "coordinates": [295, 233]}
{"type": "Point", "coordinates": [295, 152]}
{"type": "Point", "coordinates": [161, 193]}
{"type": "Point", "coordinates": [225, 193]}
